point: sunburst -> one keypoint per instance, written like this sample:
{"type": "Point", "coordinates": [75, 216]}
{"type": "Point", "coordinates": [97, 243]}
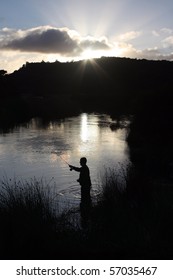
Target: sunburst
{"type": "Point", "coordinates": [88, 54]}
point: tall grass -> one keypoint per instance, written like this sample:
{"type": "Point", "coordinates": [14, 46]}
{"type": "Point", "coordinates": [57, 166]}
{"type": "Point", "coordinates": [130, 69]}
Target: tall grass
{"type": "Point", "coordinates": [31, 224]}
{"type": "Point", "coordinates": [134, 216]}
{"type": "Point", "coordinates": [30, 195]}
{"type": "Point", "coordinates": [132, 219]}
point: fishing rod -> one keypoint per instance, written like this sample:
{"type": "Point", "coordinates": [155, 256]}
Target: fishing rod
{"type": "Point", "coordinates": [62, 159]}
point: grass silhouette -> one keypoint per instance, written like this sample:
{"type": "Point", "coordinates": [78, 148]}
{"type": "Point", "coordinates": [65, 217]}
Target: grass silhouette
{"type": "Point", "coordinates": [132, 219]}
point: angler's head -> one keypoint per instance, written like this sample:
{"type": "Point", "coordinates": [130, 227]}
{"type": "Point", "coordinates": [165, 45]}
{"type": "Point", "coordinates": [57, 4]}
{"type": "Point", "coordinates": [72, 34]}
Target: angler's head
{"type": "Point", "coordinates": [83, 161]}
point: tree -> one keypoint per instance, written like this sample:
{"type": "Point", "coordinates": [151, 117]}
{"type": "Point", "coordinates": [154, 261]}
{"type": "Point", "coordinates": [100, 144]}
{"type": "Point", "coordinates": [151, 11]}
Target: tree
{"type": "Point", "coordinates": [2, 72]}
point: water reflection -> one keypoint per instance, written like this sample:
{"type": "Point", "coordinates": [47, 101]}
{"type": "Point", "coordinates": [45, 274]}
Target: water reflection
{"type": "Point", "coordinates": [27, 151]}
{"type": "Point", "coordinates": [84, 128]}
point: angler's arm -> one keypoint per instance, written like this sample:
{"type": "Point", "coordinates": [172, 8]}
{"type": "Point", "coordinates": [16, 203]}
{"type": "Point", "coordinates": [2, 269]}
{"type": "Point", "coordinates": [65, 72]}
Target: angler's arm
{"type": "Point", "coordinates": [78, 169]}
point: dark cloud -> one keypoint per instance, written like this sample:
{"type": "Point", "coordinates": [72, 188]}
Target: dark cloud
{"type": "Point", "coordinates": [94, 44]}
{"type": "Point", "coordinates": [43, 41]}
{"type": "Point", "coordinates": [49, 40]}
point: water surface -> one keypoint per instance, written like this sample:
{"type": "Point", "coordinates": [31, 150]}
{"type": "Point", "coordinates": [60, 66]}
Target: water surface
{"type": "Point", "coordinates": [34, 150]}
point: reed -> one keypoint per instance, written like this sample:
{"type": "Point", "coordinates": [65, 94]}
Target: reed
{"type": "Point", "coordinates": [28, 216]}
{"type": "Point", "coordinates": [133, 216]}
{"type": "Point", "coordinates": [132, 219]}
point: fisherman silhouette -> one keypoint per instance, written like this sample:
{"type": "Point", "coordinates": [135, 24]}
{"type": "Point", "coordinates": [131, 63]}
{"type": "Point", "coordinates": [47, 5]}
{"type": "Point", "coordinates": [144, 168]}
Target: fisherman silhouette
{"type": "Point", "coordinates": [84, 178]}
{"type": "Point", "coordinates": [85, 182]}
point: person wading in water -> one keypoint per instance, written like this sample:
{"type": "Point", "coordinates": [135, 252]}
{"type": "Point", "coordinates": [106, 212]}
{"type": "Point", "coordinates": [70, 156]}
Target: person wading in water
{"type": "Point", "coordinates": [84, 179]}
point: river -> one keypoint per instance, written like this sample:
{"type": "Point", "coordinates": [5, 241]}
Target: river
{"type": "Point", "coordinates": [40, 150]}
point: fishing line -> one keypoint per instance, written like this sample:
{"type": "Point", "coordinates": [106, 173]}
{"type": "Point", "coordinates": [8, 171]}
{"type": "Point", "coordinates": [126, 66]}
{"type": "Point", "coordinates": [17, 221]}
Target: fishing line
{"type": "Point", "coordinates": [62, 159]}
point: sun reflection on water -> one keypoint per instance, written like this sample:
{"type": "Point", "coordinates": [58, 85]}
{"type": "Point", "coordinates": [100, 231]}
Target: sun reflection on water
{"type": "Point", "coordinates": [84, 128]}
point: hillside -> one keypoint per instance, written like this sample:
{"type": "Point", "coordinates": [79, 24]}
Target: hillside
{"type": "Point", "coordinates": [115, 85]}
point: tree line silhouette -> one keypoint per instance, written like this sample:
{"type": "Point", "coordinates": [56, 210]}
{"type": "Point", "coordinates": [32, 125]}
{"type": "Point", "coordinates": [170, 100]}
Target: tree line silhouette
{"type": "Point", "coordinates": [115, 85]}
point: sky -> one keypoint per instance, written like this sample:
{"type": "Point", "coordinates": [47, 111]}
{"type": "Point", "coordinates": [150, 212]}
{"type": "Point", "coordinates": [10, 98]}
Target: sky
{"type": "Point", "coordinates": [70, 30]}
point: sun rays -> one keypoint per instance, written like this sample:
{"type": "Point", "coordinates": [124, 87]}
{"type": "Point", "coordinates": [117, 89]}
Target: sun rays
{"type": "Point", "coordinates": [83, 30]}
{"type": "Point", "coordinates": [82, 35]}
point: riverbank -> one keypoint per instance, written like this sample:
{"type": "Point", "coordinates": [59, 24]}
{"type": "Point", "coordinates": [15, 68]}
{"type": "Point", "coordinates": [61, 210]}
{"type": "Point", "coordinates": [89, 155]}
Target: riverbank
{"type": "Point", "coordinates": [133, 222]}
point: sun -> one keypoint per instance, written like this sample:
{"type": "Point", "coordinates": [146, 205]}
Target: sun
{"type": "Point", "coordinates": [87, 54]}
{"type": "Point", "coordinates": [90, 54]}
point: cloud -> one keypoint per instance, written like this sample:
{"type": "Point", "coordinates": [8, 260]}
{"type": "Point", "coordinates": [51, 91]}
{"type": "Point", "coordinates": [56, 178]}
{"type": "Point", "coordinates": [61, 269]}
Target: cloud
{"type": "Point", "coordinates": [150, 53]}
{"type": "Point", "coordinates": [129, 35]}
{"type": "Point", "coordinates": [155, 54]}
{"type": "Point", "coordinates": [162, 32]}
{"type": "Point", "coordinates": [155, 33]}
{"type": "Point", "coordinates": [49, 40]}
{"type": "Point", "coordinates": [168, 42]}
{"type": "Point", "coordinates": [41, 40]}
{"type": "Point", "coordinates": [167, 30]}
{"type": "Point", "coordinates": [95, 44]}
{"type": "Point", "coordinates": [128, 50]}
